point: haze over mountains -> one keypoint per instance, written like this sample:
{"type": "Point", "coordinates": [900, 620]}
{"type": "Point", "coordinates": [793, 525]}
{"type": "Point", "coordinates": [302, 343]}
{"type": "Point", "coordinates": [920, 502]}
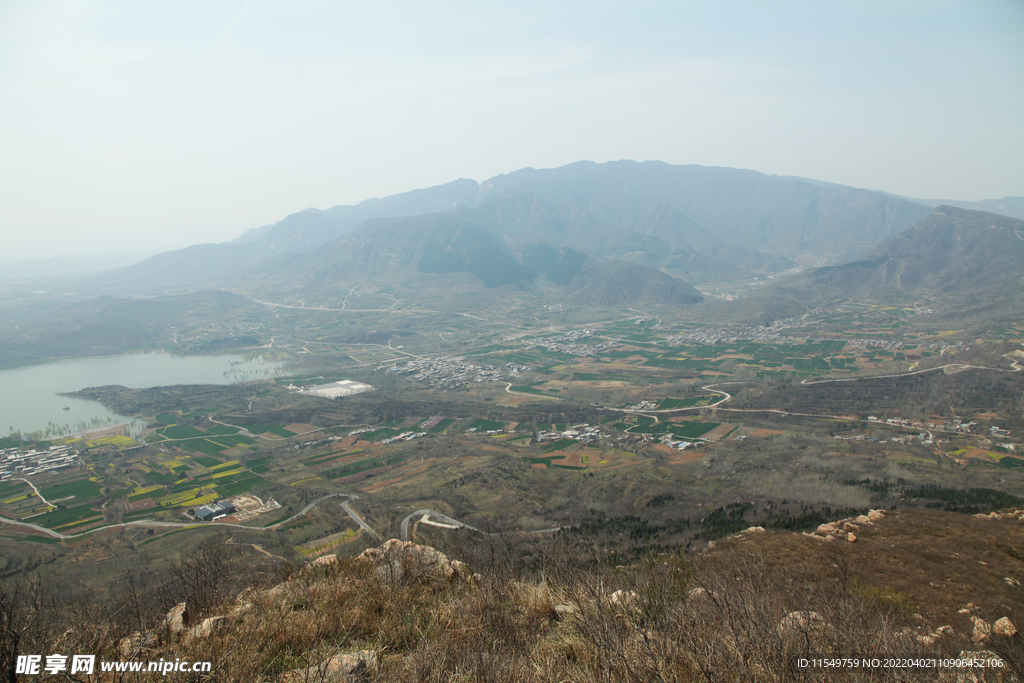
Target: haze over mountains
{"type": "Point", "coordinates": [582, 231]}
{"type": "Point", "coordinates": [970, 260]}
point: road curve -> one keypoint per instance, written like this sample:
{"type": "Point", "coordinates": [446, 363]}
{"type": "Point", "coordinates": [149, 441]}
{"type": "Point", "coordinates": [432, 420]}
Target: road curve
{"type": "Point", "coordinates": [433, 513]}
{"type": "Point", "coordinates": [200, 525]}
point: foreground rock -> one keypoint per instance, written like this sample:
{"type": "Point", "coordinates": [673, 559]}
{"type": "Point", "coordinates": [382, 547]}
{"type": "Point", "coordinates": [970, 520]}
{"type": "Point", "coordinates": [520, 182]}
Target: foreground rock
{"type": "Point", "coordinates": [211, 626]}
{"type": "Point", "coordinates": [844, 528]}
{"type": "Point", "coordinates": [177, 619]}
{"type": "Point", "coordinates": [339, 668]}
{"type": "Point", "coordinates": [399, 561]}
{"type": "Point", "coordinates": [1004, 627]}
{"type": "Point", "coordinates": [802, 624]}
{"type": "Point", "coordinates": [138, 645]}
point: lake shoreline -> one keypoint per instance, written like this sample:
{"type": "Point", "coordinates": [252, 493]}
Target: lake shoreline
{"type": "Point", "coordinates": [42, 399]}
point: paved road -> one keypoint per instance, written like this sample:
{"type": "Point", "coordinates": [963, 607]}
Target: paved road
{"type": "Point", "coordinates": [201, 525]}
{"type": "Point", "coordinates": [964, 366]}
{"type": "Point", "coordinates": [359, 521]}
{"type": "Point", "coordinates": [437, 515]}
{"type": "Point", "coordinates": [45, 502]}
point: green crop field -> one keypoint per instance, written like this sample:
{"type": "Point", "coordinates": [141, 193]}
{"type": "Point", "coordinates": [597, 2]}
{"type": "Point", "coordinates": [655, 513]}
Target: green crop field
{"type": "Point", "coordinates": [380, 434]}
{"type": "Point", "coordinates": [674, 403]}
{"type": "Point", "coordinates": [239, 487]}
{"type": "Point", "coordinates": [57, 518]}
{"type": "Point", "coordinates": [205, 462]}
{"type": "Point", "coordinates": [203, 446]}
{"type": "Point", "coordinates": [441, 426]}
{"type": "Point", "coordinates": [41, 539]}
{"type": "Point", "coordinates": [692, 430]}
{"type": "Point", "coordinates": [559, 445]}
{"type": "Point", "coordinates": [11, 487]}
{"type": "Point", "coordinates": [141, 514]}
{"type": "Point", "coordinates": [220, 430]}
{"type": "Point", "coordinates": [362, 466]}
{"type": "Point", "coordinates": [527, 389]}
{"type": "Point", "coordinates": [594, 377]}
{"type": "Point", "coordinates": [327, 457]}
{"type": "Point", "coordinates": [273, 429]}
{"type": "Point", "coordinates": [180, 432]}
{"type": "Point", "coordinates": [83, 489]}
{"type": "Point", "coordinates": [482, 425]}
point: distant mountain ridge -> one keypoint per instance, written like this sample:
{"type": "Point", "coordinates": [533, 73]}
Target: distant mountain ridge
{"type": "Point", "coordinates": [702, 224]}
{"type": "Point", "coordinates": [449, 252]}
{"type": "Point", "coordinates": [1011, 207]}
{"type": "Point", "coordinates": [968, 258]}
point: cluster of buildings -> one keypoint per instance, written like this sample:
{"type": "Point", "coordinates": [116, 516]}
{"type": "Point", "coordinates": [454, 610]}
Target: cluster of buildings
{"type": "Point", "coordinates": [404, 436]}
{"type": "Point", "coordinates": [566, 343]}
{"type": "Point", "coordinates": [643, 405]}
{"type": "Point", "coordinates": [862, 437]}
{"type": "Point", "coordinates": [433, 422]}
{"type": "Point", "coordinates": [321, 441]}
{"type": "Point", "coordinates": [670, 441]}
{"type": "Point", "coordinates": [582, 432]}
{"type": "Point", "coordinates": [715, 335]}
{"type": "Point", "coordinates": [447, 373]}
{"type": "Point", "coordinates": [15, 463]}
{"type": "Point", "coordinates": [215, 511]}
{"type": "Point", "coordinates": [956, 426]}
{"type": "Point", "coordinates": [957, 346]}
{"type": "Point", "coordinates": [883, 344]}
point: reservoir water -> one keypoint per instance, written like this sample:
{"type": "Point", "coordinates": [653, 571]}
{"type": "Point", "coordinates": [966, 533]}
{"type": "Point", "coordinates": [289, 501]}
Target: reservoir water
{"type": "Point", "coordinates": [30, 400]}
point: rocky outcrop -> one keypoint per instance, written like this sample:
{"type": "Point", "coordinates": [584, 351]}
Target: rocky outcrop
{"type": "Point", "coordinates": [1010, 514]}
{"type": "Point", "coordinates": [623, 601]}
{"type": "Point", "coordinates": [982, 632]}
{"type": "Point", "coordinates": [324, 561]}
{"type": "Point", "coordinates": [932, 637]}
{"type": "Point", "coordinates": [177, 619]}
{"type": "Point", "coordinates": [844, 528]}
{"type": "Point", "coordinates": [563, 611]}
{"type": "Point", "coordinates": [138, 645]}
{"type": "Point", "coordinates": [397, 561]}
{"type": "Point", "coordinates": [337, 669]}
{"type": "Point", "coordinates": [1004, 627]}
{"type": "Point", "coordinates": [212, 626]}
{"type": "Point", "coordinates": [745, 534]}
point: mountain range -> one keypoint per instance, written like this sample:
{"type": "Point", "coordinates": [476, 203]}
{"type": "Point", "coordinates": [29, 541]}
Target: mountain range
{"type": "Point", "coordinates": [566, 230]}
{"type": "Point", "coordinates": [967, 260]}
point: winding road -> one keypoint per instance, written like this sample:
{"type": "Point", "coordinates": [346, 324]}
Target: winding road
{"type": "Point", "coordinates": [187, 525]}
{"type": "Point", "coordinates": [433, 513]}
{"type": "Point", "coordinates": [450, 522]}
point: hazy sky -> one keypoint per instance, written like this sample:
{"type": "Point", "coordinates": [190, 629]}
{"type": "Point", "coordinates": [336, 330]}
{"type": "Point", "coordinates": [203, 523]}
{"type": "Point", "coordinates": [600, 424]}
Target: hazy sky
{"type": "Point", "coordinates": [150, 125]}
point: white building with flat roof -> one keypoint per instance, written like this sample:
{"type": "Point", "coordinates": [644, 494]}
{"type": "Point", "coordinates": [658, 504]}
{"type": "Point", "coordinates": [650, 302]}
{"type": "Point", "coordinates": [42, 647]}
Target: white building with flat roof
{"type": "Point", "coordinates": [345, 387]}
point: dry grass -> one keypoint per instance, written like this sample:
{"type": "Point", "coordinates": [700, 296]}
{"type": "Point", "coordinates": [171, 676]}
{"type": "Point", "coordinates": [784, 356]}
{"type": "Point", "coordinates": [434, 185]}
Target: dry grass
{"type": "Point", "coordinates": [543, 611]}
